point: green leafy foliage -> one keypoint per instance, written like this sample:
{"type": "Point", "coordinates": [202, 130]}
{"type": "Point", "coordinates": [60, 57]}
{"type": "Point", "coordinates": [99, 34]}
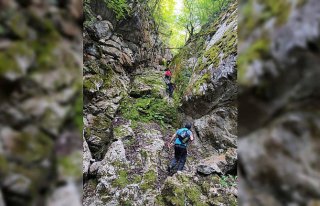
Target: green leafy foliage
{"type": "Point", "coordinates": [228, 181]}
{"type": "Point", "coordinates": [120, 7]}
{"type": "Point", "coordinates": [179, 19]}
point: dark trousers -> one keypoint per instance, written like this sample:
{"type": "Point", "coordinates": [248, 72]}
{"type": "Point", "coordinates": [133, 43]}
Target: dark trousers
{"type": "Point", "coordinates": [170, 89]}
{"type": "Point", "coordinates": [180, 157]}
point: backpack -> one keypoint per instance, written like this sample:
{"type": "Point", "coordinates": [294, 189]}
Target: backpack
{"type": "Point", "coordinates": [168, 73]}
{"type": "Point", "coordinates": [167, 80]}
{"type": "Point", "coordinates": [183, 135]}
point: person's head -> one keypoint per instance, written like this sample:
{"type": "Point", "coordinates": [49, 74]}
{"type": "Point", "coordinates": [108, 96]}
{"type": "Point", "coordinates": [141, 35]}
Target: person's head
{"type": "Point", "coordinates": [188, 125]}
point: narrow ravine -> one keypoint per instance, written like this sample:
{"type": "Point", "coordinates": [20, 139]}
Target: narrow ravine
{"type": "Point", "coordinates": [129, 117]}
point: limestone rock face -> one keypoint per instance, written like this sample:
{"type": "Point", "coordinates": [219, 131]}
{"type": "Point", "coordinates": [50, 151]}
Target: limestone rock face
{"type": "Point", "coordinates": [218, 128]}
{"type": "Point", "coordinates": [220, 164]}
{"type": "Point", "coordinates": [278, 103]}
{"type": "Point", "coordinates": [212, 83]}
{"type": "Point", "coordinates": [40, 78]}
{"type": "Point", "coordinates": [86, 158]}
{"type": "Point", "coordinates": [65, 195]}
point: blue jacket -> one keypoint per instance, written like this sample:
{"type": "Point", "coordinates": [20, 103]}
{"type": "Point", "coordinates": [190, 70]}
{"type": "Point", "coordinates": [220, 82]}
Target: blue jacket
{"type": "Point", "coordinates": [177, 141]}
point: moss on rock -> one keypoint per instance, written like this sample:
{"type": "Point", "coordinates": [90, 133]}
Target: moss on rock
{"type": "Point", "coordinates": [178, 193]}
{"type": "Point", "coordinates": [70, 166]}
{"type": "Point", "coordinates": [257, 50]}
{"type": "Point", "coordinates": [148, 109]}
{"type": "Point", "coordinates": [31, 147]}
{"type": "Point", "coordinates": [9, 59]}
{"type": "Point", "coordinates": [122, 180]}
{"type": "Point", "coordinates": [149, 180]}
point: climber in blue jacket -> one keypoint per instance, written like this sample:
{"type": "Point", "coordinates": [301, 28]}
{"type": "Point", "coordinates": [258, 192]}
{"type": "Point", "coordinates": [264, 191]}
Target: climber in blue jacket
{"type": "Point", "coordinates": [182, 137]}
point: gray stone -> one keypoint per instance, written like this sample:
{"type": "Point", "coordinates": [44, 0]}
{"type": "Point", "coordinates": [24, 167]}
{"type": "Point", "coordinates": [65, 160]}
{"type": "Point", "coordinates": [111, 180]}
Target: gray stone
{"type": "Point", "coordinates": [111, 51]}
{"type": "Point", "coordinates": [112, 43]}
{"type": "Point", "coordinates": [116, 152]}
{"type": "Point", "coordinates": [102, 29]}
{"type": "Point", "coordinates": [123, 131]}
{"type": "Point", "coordinates": [220, 164]}
{"type": "Point", "coordinates": [86, 157]}
{"type": "Point", "coordinates": [92, 49]}
{"type": "Point", "coordinates": [2, 203]}
{"type": "Point", "coordinates": [218, 128]}
{"type": "Point", "coordinates": [67, 195]}
{"type": "Point", "coordinates": [94, 168]}
{"type": "Point", "coordinates": [18, 184]}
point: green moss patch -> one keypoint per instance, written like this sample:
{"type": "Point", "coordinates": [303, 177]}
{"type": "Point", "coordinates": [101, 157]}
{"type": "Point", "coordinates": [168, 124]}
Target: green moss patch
{"type": "Point", "coordinates": [31, 148]}
{"type": "Point", "coordinates": [149, 180]}
{"type": "Point", "coordinates": [257, 50]}
{"type": "Point", "coordinates": [8, 59]}
{"type": "Point", "coordinates": [148, 110]}
{"type": "Point", "coordinates": [227, 45]}
{"type": "Point", "coordinates": [71, 166]}
{"type": "Point", "coordinates": [122, 180]}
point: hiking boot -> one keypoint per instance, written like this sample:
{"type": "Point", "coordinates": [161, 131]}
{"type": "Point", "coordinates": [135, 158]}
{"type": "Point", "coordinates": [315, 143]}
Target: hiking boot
{"type": "Point", "coordinates": [169, 169]}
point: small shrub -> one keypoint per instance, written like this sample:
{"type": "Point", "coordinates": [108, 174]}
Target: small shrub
{"type": "Point", "coordinates": [120, 7]}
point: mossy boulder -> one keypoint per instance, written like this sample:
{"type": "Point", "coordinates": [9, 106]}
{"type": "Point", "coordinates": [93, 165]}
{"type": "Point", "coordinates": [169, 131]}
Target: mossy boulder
{"type": "Point", "coordinates": [123, 131]}
{"type": "Point", "coordinates": [149, 82]}
{"type": "Point", "coordinates": [16, 61]}
{"type": "Point", "coordinates": [149, 180]}
{"type": "Point", "coordinates": [148, 109]}
{"type": "Point", "coordinates": [29, 146]}
{"type": "Point", "coordinates": [69, 167]}
{"type": "Point", "coordinates": [98, 134]}
{"type": "Point", "coordinates": [180, 190]}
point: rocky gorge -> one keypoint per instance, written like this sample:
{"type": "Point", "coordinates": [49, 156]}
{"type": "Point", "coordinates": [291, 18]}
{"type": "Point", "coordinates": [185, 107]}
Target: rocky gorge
{"type": "Point", "coordinates": [128, 117]}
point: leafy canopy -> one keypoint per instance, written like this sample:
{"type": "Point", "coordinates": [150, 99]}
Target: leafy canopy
{"type": "Point", "coordinates": [177, 20]}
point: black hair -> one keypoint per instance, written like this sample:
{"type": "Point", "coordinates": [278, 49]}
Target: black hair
{"type": "Point", "coordinates": [188, 125]}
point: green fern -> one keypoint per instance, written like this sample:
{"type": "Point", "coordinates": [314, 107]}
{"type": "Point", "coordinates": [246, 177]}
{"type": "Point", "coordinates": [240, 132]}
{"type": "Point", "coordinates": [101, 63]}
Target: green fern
{"type": "Point", "coordinates": [120, 7]}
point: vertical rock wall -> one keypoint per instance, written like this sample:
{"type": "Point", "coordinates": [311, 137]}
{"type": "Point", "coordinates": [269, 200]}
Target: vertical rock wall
{"type": "Point", "coordinates": [279, 103]}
